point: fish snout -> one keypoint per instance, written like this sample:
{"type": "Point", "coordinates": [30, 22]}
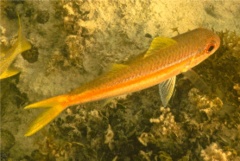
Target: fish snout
{"type": "Point", "coordinates": [213, 45]}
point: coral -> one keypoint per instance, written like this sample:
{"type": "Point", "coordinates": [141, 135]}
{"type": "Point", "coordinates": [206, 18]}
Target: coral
{"type": "Point", "coordinates": [204, 104]}
{"type": "Point", "coordinates": [237, 88]}
{"type": "Point", "coordinates": [74, 49]}
{"type": "Point", "coordinates": [165, 124]}
{"type": "Point", "coordinates": [165, 134]}
{"type": "Point", "coordinates": [213, 152]}
{"type": "Point", "coordinates": [76, 136]}
{"type": "Point", "coordinates": [9, 10]}
{"type": "Point", "coordinates": [6, 142]}
{"type": "Point", "coordinates": [42, 16]}
{"type": "Point", "coordinates": [109, 137]}
{"type": "Point", "coordinates": [76, 17]}
{"type": "Point", "coordinates": [230, 44]}
{"type": "Point", "coordinates": [4, 43]}
{"type": "Point", "coordinates": [31, 55]}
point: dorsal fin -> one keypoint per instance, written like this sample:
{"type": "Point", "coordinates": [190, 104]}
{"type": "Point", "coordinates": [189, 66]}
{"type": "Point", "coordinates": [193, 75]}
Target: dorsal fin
{"type": "Point", "coordinates": [116, 66]}
{"type": "Point", "coordinates": [159, 43]}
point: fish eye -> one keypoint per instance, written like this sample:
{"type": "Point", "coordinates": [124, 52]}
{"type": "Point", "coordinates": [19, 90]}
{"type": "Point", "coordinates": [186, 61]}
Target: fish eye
{"type": "Point", "coordinates": [210, 48]}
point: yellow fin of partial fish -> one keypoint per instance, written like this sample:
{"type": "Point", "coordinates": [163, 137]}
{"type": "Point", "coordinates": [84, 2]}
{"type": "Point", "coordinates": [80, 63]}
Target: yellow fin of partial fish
{"type": "Point", "coordinates": [9, 72]}
{"type": "Point", "coordinates": [23, 43]}
{"type": "Point", "coordinates": [136, 58]}
{"type": "Point", "coordinates": [118, 66]}
{"type": "Point", "coordinates": [8, 56]}
{"type": "Point", "coordinates": [54, 107]}
{"type": "Point", "coordinates": [166, 89]}
{"type": "Point", "coordinates": [159, 43]}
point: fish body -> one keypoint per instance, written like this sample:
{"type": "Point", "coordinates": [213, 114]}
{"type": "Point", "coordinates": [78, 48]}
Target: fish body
{"type": "Point", "coordinates": [8, 56]}
{"type": "Point", "coordinates": [165, 59]}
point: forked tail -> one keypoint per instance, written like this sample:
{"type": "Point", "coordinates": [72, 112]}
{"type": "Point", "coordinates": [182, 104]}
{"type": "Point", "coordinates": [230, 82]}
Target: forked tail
{"type": "Point", "coordinates": [54, 106]}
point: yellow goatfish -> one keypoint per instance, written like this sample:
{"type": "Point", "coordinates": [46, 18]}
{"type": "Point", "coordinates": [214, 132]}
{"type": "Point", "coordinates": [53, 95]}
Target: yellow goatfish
{"type": "Point", "coordinates": [7, 57]}
{"type": "Point", "coordinates": [165, 59]}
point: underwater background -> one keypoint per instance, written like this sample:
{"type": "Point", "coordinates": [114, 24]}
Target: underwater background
{"type": "Point", "coordinates": [75, 41]}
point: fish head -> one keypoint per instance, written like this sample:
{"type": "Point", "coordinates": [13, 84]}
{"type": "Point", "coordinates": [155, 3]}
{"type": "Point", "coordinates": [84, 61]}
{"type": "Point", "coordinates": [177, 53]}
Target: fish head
{"type": "Point", "coordinates": [209, 42]}
{"type": "Point", "coordinates": [212, 44]}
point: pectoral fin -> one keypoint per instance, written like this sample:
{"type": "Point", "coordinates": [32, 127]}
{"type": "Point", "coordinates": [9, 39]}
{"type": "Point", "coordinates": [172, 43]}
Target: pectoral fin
{"type": "Point", "coordinates": [9, 72]}
{"type": "Point", "coordinates": [166, 89]}
{"type": "Point", "coordinates": [197, 81]}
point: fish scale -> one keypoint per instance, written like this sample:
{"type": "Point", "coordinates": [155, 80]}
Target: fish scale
{"type": "Point", "coordinates": [165, 59]}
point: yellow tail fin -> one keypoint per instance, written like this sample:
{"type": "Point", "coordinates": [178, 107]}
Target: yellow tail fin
{"type": "Point", "coordinates": [54, 107]}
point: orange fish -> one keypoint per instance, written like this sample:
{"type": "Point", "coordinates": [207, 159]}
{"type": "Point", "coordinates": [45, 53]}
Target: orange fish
{"type": "Point", "coordinates": [165, 59]}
